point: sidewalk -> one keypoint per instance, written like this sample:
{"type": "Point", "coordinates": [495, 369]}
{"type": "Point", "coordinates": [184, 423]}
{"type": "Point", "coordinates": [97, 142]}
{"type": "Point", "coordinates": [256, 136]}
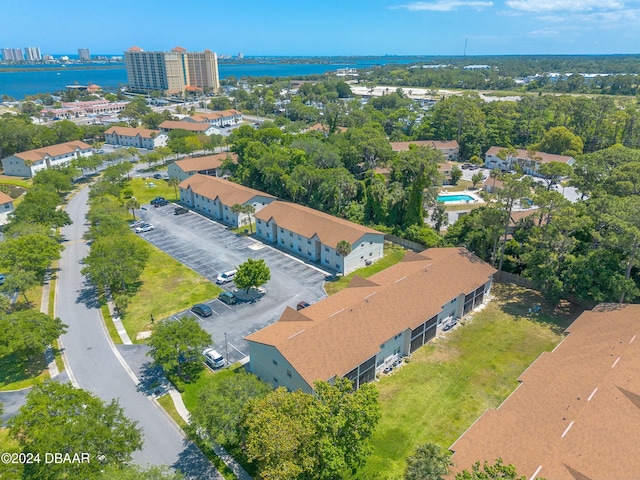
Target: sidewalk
{"type": "Point", "coordinates": [44, 308]}
{"type": "Point", "coordinates": [237, 469]}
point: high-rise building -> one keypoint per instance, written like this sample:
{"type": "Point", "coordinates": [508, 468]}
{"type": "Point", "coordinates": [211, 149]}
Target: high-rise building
{"type": "Point", "coordinates": [171, 72]}
{"type": "Point", "coordinates": [12, 55]}
{"type": "Point", "coordinates": [84, 55]}
{"type": "Point", "coordinates": [32, 54]}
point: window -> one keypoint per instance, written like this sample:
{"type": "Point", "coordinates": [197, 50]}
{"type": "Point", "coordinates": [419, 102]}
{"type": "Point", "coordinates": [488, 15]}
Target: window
{"type": "Point", "coordinates": [275, 380]}
{"type": "Point", "coordinates": [282, 230]}
{"type": "Point", "coordinates": [326, 249]}
{"type": "Point", "coordinates": [274, 361]}
{"type": "Point", "coordinates": [289, 373]}
{"type": "Point", "coordinates": [308, 242]}
{"type": "Point", "coordinates": [291, 234]}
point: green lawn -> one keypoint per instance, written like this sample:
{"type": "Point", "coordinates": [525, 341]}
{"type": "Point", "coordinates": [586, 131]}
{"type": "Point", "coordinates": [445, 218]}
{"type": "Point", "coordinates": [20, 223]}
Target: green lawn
{"type": "Point", "coordinates": [192, 390]}
{"type": "Point", "coordinates": [392, 255]}
{"type": "Point", "coordinates": [18, 372]}
{"type": "Point", "coordinates": [144, 194]}
{"type": "Point", "coordinates": [451, 382]}
{"type": "Point", "coordinates": [9, 471]}
{"type": "Point", "coordinates": [166, 402]}
{"type": "Point", "coordinates": [19, 181]}
{"type": "Point", "coordinates": [167, 287]}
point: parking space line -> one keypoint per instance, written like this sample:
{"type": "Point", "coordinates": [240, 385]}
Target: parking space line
{"type": "Point", "coordinates": [224, 304]}
{"type": "Point", "coordinates": [240, 352]}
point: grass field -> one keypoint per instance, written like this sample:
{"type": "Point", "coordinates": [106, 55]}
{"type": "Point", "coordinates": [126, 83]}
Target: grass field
{"type": "Point", "coordinates": [392, 255]}
{"type": "Point", "coordinates": [451, 382]}
{"type": "Point", "coordinates": [144, 194]}
{"type": "Point", "coordinates": [10, 180]}
{"type": "Point", "coordinates": [166, 402]}
{"type": "Point", "coordinates": [167, 287]}
{"type": "Point", "coordinates": [18, 372]}
{"type": "Point", "coordinates": [9, 471]}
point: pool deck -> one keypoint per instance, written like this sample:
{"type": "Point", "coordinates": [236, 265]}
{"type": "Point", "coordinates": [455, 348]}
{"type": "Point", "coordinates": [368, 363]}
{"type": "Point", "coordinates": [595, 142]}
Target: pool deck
{"type": "Point", "coordinates": [475, 198]}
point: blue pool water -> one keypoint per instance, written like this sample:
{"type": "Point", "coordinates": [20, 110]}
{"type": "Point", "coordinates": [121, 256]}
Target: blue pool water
{"type": "Point", "coordinates": [455, 198]}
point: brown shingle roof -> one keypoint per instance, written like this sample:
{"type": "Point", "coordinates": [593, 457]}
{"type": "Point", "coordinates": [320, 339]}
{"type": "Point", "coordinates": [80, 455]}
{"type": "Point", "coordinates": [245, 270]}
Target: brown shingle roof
{"type": "Point", "coordinates": [53, 150]}
{"type": "Point", "coordinates": [309, 222]}
{"type": "Point", "coordinates": [206, 117]}
{"type": "Point", "coordinates": [190, 126]}
{"type": "Point", "coordinates": [132, 132]}
{"type": "Point", "coordinates": [229, 193]}
{"type": "Point", "coordinates": [576, 414]}
{"type": "Point", "coordinates": [4, 198]}
{"type": "Point", "coordinates": [542, 156]}
{"type": "Point", "coordinates": [209, 162]}
{"type": "Point", "coordinates": [348, 327]}
{"type": "Point", "coordinates": [435, 144]}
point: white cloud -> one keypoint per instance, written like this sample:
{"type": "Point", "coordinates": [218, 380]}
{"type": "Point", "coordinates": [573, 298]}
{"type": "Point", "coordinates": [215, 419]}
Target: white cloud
{"type": "Point", "coordinates": [444, 5]}
{"type": "Point", "coordinates": [543, 33]}
{"type": "Point", "coordinates": [565, 5]}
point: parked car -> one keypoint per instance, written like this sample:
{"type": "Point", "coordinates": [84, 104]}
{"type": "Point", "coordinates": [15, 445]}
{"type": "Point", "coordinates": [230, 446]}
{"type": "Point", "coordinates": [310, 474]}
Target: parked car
{"type": "Point", "coordinates": [213, 358]}
{"type": "Point", "coordinates": [228, 297]}
{"type": "Point", "coordinates": [161, 203]}
{"type": "Point", "coordinates": [157, 176]}
{"type": "Point", "coordinates": [2, 278]}
{"type": "Point", "coordinates": [157, 200]}
{"type": "Point", "coordinates": [202, 310]}
{"type": "Point", "coordinates": [147, 227]}
{"type": "Point", "coordinates": [302, 305]}
{"type": "Point", "coordinates": [180, 211]}
{"type": "Point", "coordinates": [137, 223]}
{"type": "Point", "coordinates": [226, 277]}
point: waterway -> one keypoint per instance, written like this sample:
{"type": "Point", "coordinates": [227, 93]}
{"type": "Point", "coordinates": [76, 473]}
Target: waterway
{"type": "Point", "coordinates": [50, 78]}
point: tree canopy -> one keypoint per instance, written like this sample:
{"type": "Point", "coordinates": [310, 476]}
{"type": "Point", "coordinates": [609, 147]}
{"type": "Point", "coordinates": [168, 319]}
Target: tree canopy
{"type": "Point", "coordinates": [60, 418]}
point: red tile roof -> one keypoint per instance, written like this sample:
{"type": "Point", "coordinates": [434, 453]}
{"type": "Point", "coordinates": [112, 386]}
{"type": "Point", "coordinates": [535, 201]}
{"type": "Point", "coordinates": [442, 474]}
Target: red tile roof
{"type": "Point", "coordinates": [435, 144]}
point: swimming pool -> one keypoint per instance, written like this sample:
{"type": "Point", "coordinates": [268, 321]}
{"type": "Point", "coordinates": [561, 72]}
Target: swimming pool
{"type": "Point", "coordinates": [455, 198]}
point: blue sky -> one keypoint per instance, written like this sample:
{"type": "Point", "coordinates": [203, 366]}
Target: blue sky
{"type": "Point", "coordinates": [329, 27]}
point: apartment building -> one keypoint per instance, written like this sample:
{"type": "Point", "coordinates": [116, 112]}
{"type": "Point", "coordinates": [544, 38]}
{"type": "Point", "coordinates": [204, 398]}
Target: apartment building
{"type": "Point", "coordinates": [27, 164]}
{"type": "Point", "coordinates": [358, 331]}
{"type": "Point", "coordinates": [172, 72]}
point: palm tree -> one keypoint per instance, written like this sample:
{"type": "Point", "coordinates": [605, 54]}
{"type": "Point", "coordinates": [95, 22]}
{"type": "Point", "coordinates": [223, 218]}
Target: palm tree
{"type": "Point", "coordinates": [343, 248]}
{"type": "Point", "coordinates": [237, 209]}
{"type": "Point", "coordinates": [174, 182]}
{"type": "Point", "coordinates": [133, 205]}
{"type": "Point", "coordinates": [249, 210]}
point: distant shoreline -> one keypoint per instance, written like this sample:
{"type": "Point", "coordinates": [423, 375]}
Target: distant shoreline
{"type": "Point", "coordinates": [54, 67]}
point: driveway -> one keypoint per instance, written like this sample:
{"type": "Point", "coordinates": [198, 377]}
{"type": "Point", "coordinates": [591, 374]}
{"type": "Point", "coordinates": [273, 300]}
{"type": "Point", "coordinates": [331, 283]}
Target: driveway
{"type": "Point", "coordinates": [210, 248]}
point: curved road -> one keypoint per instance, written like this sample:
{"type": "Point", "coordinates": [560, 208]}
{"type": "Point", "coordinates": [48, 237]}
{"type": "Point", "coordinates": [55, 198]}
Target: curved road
{"type": "Point", "coordinates": [95, 365]}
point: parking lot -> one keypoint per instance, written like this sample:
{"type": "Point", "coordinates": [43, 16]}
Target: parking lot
{"type": "Point", "coordinates": [210, 248]}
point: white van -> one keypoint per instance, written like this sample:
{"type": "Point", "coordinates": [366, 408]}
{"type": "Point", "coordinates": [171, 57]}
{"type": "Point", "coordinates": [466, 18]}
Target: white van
{"type": "Point", "coordinates": [213, 358]}
{"type": "Point", "coordinates": [226, 277]}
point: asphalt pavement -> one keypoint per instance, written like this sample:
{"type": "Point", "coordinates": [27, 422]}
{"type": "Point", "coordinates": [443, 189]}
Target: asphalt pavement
{"type": "Point", "coordinates": [210, 248]}
{"type": "Point", "coordinates": [95, 364]}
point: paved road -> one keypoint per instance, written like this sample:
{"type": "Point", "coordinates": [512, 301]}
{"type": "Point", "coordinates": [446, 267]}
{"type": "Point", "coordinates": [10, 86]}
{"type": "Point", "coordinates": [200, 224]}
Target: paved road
{"type": "Point", "coordinates": [96, 366]}
{"type": "Point", "coordinates": [210, 248]}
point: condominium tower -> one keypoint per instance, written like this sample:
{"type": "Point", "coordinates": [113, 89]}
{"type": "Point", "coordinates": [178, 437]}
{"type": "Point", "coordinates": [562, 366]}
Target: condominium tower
{"type": "Point", "coordinates": [32, 54]}
{"type": "Point", "coordinates": [171, 72]}
{"type": "Point", "coordinates": [84, 55]}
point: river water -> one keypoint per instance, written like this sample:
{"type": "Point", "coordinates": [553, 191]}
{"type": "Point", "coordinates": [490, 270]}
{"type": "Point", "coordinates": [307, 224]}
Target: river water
{"type": "Point", "coordinates": [51, 78]}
